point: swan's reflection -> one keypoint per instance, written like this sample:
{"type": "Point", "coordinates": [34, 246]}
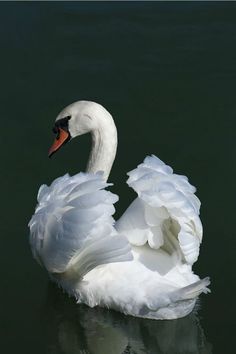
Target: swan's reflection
{"type": "Point", "coordinates": [78, 329]}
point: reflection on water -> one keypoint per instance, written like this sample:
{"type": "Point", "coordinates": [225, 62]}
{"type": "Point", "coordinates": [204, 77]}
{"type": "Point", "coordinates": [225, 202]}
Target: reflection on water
{"type": "Point", "coordinates": [78, 329]}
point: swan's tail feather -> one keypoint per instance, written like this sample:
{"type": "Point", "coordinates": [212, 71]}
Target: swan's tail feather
{"type": "Point", "coordinates": [192, 291]}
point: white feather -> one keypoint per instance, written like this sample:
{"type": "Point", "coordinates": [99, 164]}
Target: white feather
{"type": "Point", "coordinates": [73, 219]}
{"type": "Point", "coordinates": [142, 264]}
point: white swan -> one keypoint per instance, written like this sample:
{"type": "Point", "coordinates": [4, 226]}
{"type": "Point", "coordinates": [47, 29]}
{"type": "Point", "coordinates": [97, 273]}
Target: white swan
{"type": "Point", "coordinates": [140, 265]}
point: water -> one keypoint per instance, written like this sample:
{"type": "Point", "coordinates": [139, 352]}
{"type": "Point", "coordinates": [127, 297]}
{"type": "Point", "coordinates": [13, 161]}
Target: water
{"type": "Point", "coordinates": [166, 71]}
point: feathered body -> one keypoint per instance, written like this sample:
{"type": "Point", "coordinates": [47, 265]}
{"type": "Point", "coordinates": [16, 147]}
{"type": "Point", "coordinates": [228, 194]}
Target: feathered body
{"type": "Point", "coordinates": [140, 265]}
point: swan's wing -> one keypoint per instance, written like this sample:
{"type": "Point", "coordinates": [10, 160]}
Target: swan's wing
{"type": "Point", "coordinates": [166, 213]}
{"type": "Point", "coordinates": [72, 227]}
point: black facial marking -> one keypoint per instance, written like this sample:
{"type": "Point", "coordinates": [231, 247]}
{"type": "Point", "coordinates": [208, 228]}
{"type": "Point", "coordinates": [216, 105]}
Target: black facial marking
{"type": "Point", "coordinates": [61, 123]}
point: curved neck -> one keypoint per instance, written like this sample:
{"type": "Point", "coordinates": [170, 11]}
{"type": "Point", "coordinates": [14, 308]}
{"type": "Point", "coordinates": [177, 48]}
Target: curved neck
{"type": "Point", "coordinates": [104, 145]}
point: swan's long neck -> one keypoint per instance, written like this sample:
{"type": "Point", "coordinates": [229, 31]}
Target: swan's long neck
{"type": "Point", "coordinates": [104, 144]}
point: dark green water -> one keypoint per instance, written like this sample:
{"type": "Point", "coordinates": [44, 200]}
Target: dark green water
{"type": "Point", "coordinates": [167, 73]}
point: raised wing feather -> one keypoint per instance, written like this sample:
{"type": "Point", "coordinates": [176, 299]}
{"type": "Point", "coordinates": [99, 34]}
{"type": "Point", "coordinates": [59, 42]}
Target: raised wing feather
{"type": "Point", "coordinates": [165, 214]}
{"type": "Point", "coordinates": [72, 227]}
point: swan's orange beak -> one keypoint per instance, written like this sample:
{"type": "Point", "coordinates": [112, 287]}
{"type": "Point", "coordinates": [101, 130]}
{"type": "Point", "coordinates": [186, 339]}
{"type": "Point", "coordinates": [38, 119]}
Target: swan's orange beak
{"type": "Point", "coordinates": [61, 139]}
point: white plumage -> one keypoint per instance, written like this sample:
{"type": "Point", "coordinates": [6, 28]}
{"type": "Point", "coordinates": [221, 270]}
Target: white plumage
{"type": "Point", "coordinates": [140, 265]}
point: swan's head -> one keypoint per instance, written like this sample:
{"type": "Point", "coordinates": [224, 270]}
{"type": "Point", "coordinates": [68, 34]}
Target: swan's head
{"type": "Point", "coordinates": [76, 119]}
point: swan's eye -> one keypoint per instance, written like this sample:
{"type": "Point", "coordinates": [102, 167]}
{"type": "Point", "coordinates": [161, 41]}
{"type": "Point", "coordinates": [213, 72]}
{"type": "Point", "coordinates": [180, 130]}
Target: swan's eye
{"type": "Point", "coordinates": [61, 123]}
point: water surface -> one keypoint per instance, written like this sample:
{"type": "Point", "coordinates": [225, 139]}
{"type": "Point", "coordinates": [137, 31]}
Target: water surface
{"type": "Point", "coordinates": [167, 73]}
